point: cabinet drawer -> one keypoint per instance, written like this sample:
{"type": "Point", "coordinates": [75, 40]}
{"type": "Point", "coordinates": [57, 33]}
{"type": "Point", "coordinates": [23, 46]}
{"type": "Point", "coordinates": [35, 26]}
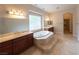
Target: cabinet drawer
{"type": "Point", "coordinates": [7, 43]}
{"type": "Point", "coordinates": [51, 29]}
{"type": "Point", "coordinates": [19, 46]}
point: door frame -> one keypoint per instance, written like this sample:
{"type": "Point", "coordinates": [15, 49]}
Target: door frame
{"type": "Point", "coordinates": [71, 19]}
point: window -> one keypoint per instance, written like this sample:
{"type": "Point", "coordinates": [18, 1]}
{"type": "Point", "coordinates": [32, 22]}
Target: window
{"type": "Point", "coordinates": [35, 22]}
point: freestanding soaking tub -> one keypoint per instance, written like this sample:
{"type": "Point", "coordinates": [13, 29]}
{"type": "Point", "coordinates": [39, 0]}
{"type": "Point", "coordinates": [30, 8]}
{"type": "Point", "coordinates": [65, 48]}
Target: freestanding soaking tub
{"type": "Point", "coordinates": [44, 40]}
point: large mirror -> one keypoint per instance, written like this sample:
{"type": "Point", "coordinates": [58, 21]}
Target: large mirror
{"type": "Point", "coordinates": [13, 25]}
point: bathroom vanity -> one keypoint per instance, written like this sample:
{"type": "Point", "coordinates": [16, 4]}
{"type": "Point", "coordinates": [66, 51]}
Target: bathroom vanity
{"type": "Point", "coordinates": [15, 43]}
{"type": "Point", "coordinates": [49, 28]}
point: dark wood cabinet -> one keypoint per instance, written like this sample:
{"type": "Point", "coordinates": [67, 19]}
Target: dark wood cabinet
{"type": "Point", "coordinates": [51, 29]}
{"type": "Point", "coordinates": [22, 43]}
{"type": "Point", "coordinates": [17, 45]}
{"type": "Point", "coordinates": [6, 48]}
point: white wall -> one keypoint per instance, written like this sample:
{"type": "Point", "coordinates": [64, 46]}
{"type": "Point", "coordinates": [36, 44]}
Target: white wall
{"type": "Point", "coordinates": [0, 26]}
{"type": "Point", "coordinates": [77, 22]}
{"type": "Point", "coordinates": [57, 18]}
{"type": "Point", "coordinates": [1, 19]}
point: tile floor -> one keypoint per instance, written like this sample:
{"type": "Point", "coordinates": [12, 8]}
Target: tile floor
{"type": "Point", "coordinates": [66, 45]}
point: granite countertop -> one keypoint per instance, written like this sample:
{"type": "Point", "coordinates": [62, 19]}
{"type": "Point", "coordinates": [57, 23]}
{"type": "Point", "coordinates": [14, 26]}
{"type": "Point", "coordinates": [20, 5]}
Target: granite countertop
{"type": "Point", "coordinates": [48, 26]}
{"type": "Point", "coordinates": [10, 36]}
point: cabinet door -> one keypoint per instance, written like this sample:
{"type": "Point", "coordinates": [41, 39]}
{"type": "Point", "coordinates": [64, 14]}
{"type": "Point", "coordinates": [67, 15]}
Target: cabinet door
{"type": "Point", "coordinates": [6, 48]}
{"type": "Point", "coordinates": [29, 41]}
{"type": "Point", "coordinates": [19, 45]}
{"type": "Point", "coordinates": [51, 29]}
{"type": "Point", "coordinates": [22, 43]}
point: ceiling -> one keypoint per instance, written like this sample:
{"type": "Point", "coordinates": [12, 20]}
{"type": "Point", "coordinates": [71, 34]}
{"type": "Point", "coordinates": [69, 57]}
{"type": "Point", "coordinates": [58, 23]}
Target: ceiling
{"type": "Point", "coordinates": [54, 7]}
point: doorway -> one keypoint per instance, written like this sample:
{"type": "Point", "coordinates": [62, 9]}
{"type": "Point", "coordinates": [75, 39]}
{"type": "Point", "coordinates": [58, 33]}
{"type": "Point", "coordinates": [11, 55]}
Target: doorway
{"type": "Point", "coordinates": [68, 23]}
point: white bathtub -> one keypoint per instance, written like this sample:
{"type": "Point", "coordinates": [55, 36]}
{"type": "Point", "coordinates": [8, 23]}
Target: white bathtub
{"type": "Point", "coordinates": [42, 35]}
{"type": "Point", "coordinates": [44, 40]}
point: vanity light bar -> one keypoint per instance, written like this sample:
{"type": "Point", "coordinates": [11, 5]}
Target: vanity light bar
{"type": "Point", "coordinates": [16, 12]}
